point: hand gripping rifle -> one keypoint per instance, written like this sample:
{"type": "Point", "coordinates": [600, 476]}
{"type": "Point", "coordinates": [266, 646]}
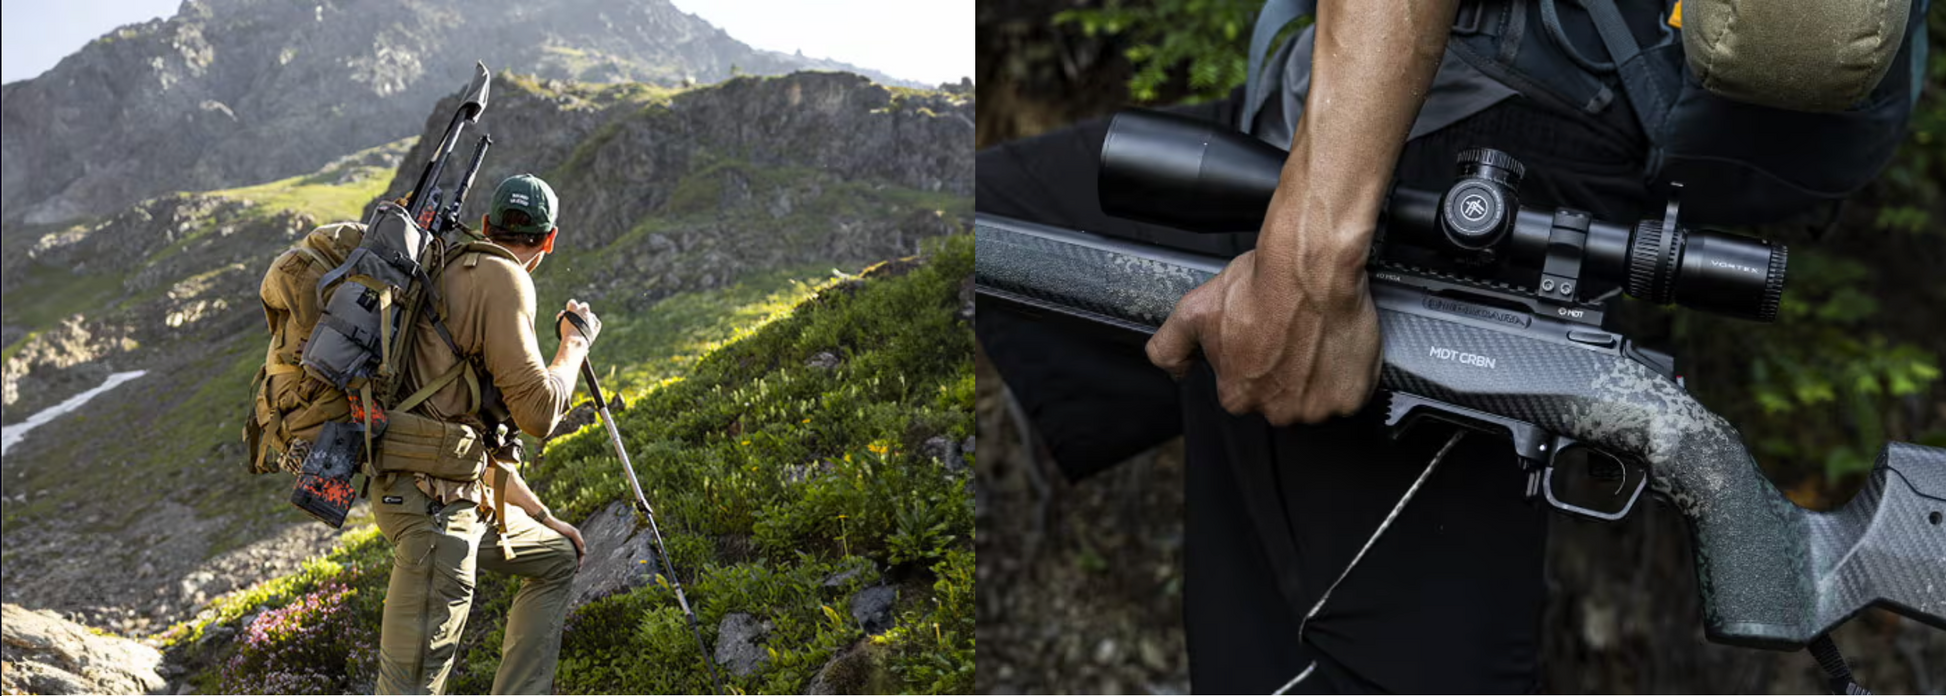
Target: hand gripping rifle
{"type": "Point", "coordinates": [1491, 319]}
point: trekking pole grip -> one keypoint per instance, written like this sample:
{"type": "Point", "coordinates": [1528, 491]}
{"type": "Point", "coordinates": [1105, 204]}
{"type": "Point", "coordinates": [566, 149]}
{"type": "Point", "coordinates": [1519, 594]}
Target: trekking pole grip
{"type": "Point", "coordinates": [580, 325]}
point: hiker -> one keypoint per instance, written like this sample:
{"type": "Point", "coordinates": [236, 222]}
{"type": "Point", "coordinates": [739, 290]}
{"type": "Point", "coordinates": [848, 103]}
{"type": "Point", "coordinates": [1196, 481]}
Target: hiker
{"type": "Point", "coordinates": [443, 531]}
{"type": "Point", "coordinates": [1375, 92]}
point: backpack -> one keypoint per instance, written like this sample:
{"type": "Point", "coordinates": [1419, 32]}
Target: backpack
{"type": "Point", "coordinates": [1749, 163]}
{"type": "Point", "coordinates": [341, 307]}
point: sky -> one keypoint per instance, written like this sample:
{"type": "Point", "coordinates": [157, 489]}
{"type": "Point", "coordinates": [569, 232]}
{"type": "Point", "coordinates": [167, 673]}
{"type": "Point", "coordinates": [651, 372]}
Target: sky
{"type": "Point", "coordinates": [927, 41]}
{"type": "Point", "coordinates": [36, 34]}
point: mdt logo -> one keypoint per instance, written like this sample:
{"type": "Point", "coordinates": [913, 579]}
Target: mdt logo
{"type": "Point", "coordinates": [1473, 359]}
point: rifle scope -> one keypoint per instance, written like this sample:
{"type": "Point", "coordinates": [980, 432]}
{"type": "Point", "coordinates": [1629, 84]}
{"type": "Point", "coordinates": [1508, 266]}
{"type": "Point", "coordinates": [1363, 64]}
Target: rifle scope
{"type": "Point", "coordinates": [1198, 176]}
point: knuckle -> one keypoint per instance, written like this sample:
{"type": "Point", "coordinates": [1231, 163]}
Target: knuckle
{"type": "Point", "coordinates": [1237, 400]}
{"type": "Point", "coordinates": [1281, 416]}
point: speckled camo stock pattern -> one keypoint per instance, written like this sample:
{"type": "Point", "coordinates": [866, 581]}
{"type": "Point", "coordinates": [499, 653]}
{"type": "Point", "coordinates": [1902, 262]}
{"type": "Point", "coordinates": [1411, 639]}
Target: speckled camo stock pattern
{"type": "Point", "coordinates": [1772, 574]}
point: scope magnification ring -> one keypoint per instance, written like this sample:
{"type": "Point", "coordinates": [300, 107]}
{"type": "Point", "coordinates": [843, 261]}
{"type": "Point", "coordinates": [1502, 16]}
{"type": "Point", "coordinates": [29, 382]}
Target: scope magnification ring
{"type": "Point", "coordinates": [1652, 263]}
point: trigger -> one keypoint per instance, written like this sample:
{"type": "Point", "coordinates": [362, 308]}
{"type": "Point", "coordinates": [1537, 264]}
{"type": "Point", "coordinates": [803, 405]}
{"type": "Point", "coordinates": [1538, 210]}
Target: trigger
{"type": "Point", "coordinates": [1591, 466]}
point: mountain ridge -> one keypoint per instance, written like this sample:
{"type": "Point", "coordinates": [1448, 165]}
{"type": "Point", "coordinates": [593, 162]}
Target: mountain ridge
{"type": "Point", "coordinates": [233, 92]}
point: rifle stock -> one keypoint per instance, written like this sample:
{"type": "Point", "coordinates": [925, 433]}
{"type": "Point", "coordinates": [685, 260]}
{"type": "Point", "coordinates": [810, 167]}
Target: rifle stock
{"type": "Point", "coordinates": [1773, 575]}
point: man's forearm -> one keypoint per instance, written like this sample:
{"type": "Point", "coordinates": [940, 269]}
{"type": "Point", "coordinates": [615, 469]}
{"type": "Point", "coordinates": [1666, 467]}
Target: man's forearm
{"type": "Point", "coordinates": [1373, 63]}
{"type": "Point", "coordinates": [566, 367]}
{"type": "Point", "coordinates": [517, 494]}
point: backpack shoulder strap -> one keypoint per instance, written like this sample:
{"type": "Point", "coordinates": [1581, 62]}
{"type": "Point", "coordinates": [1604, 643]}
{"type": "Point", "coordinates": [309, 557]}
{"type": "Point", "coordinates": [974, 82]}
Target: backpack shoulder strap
{"type": "Point", "coordinates": [1271, 20]}
{"type": "Point", "coordinates": [471, 251]}
{"type": "Point", "coordinates": [1651, 92]}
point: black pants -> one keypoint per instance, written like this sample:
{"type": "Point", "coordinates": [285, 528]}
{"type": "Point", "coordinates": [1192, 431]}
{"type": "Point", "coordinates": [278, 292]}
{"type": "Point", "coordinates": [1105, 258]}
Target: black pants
{"type": "Point", "coordinates": [1450, 600]}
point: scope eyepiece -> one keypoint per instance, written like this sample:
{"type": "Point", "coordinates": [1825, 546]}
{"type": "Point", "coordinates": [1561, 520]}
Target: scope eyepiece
{"type": "Point", "coordinates": [1488, 163]}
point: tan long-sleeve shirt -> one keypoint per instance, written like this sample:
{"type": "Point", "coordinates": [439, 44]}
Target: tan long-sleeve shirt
{"type": "Point", "coordinates": [490, 308]}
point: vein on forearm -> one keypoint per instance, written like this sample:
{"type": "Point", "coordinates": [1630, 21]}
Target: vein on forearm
{"type": "Point", "coordinates": [1372, 64]}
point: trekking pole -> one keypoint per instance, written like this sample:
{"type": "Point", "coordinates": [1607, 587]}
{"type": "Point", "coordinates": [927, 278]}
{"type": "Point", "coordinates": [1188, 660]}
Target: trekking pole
{"type": "Point", "coordinates": [641, 501]}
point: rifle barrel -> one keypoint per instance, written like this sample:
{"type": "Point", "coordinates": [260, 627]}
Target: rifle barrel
{"type": "Point", "coordinates": [472, 170]}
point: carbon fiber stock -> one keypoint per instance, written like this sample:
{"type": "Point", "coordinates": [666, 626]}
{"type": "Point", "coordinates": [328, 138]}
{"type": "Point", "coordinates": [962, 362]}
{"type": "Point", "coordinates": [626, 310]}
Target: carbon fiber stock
{"type": "Point", "coordinates": [1772, 574]}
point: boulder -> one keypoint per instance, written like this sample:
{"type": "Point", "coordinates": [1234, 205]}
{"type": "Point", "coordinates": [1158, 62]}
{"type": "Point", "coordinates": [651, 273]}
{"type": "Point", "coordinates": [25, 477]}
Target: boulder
{"type": "Point", "coordinates": [838, 579]}
{"type": "Point", "coordinates": [739, 643]}
{"type": "Point", "coordinates": [824, 360]}
{"type": "Point", "coordinates": [946, 451]}
{"type": "Point", "coordinates": [620, 558]}
{"type": "Point", "coordinates": [872, 608]}
{"type": "Point", "coordinates": [857, 669]}
{"type": "Point", "coordinates": [46, 654]}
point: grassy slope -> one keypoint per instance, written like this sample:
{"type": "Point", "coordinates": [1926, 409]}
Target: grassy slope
{"type": "Point", "coordinates": [715, 450]}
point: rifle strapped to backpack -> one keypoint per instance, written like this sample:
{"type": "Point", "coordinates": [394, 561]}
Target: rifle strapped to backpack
{"type": "Point", "coordinates": [342, 307]}
{"type": "Point", "coordinates": [326, 423]}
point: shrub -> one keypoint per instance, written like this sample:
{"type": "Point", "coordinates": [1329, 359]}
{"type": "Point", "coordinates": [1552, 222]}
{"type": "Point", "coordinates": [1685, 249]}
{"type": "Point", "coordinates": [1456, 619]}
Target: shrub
{"type": "Point", "coordinates": [315, 645]}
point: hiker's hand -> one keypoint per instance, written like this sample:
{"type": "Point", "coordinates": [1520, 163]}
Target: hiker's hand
{"type": "Point", "coordinates": [587, 314]}
{"type": "Point", "coordinates": [574, 535]}
{"type": "Point", "coordinates": [1298, 343]}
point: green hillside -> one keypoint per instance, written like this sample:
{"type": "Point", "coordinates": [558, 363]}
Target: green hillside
{"type": "Point", "coordinates": [772, 474]}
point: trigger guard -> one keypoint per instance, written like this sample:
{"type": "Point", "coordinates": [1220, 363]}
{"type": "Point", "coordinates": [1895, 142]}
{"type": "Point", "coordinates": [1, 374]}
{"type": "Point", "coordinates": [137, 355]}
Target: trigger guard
{"type": "Point", "coordinates": [1547, 489]}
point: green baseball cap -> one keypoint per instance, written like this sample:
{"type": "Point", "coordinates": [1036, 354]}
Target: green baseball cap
{"type": "Point", "coordinates": [528, 194]}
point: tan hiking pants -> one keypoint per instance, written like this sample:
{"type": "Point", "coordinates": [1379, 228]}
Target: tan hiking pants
{"type": "Point", "coordinates": [436, 553]}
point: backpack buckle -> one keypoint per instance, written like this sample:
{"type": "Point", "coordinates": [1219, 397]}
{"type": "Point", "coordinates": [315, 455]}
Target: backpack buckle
{"type": "Point", "coordinates": [1467, 20]}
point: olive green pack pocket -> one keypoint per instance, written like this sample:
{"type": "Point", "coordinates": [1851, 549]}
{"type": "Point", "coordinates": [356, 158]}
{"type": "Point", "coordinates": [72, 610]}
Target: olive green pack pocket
{"type": "Point", "coordinates": [439, 449]}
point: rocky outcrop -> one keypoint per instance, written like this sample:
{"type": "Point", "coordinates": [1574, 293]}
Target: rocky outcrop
{"type": "Point", "coordinates": [693, 190]}
{"type": "Point", "coordinates": [619, 559]}
{"type": "Point", "coordinates": [615, 160]}
{"type": "Point", "coordinates": [173, 267]}
{"type": "Point", "coordinates": [41, 653]}
{"type": "Point", "coordinates": [185, 266]}
{"type": "Point", "coordinates": [872, 608]}
{"type": "Point", "coordinates": [229, 92]}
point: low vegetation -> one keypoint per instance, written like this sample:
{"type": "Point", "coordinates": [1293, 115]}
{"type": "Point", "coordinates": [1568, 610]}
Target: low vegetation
{"type": "Point", "coordinates": [792, 465]}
